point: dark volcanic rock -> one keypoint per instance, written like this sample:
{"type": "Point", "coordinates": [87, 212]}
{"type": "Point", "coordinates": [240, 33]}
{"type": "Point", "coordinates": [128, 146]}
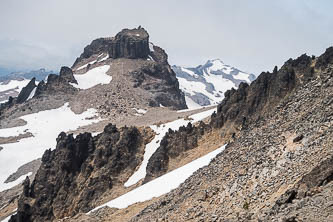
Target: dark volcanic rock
{"type": "Point", "coordinates": [173, 144]}
{"type": "Point", "coordinates": [77, 173]}
{"type": "Point", "coordinates": [132, 44]}
{"type": "Point", "coordinates": [57, 84]}
{"type": "Point", "coordinates": [26, 91]}
{"type": "Point", "coordinates": [165, 90]}
{"type": "Point", "coordinates": [66, 74]}
{"type": "Point", "coordinates": [263, 94]}
{"type": "Point", "coordinates": [96, 47]}
{"type": "Point", "coordinates": [129, 43]}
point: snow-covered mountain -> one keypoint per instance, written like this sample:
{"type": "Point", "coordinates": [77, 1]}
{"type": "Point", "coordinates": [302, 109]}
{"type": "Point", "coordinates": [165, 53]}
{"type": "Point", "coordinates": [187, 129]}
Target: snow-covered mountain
{"type": "Point", "coordinates": [206, 84]}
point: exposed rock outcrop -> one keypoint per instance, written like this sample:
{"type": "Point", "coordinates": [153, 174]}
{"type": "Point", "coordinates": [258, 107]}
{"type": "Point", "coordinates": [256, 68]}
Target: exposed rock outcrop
{"type": "Point", "coordinates": [250, 102]}
{"type": "Point", "coordinates": [57, 84]}
{"type": "Point", "coordinates": [26, 91]}
{"type": "Point", "coordinates": [239, 108]}
{"type": "Point", "coordinates": [74, 175]}
{"type": "Point", "coordinates": [129, 43]}
{"type": "Point", "coordinates": [247, 103]}
{"type": "Point", "coordinates": [278, 166]}
{"type": "Point", "coordinates": [172, 145]}
{"type": "Point", "coordinates": [132, 44]}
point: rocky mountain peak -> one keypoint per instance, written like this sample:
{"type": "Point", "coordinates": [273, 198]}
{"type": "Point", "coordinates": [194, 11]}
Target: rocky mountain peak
{"type": "Point", "coordinates": [66, 75]}
{"type": "Point", "coordinates": [57, 83]}
{"type": "Point", "coordinates": [130, 43]}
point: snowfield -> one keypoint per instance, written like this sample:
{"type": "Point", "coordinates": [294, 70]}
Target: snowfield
{"type": "Point", "coordinates": [16, 85]}
{"type": "Point", "coordinates": [155, 143]}
{"type": "Point", "coordinates": [45, 126]}
{"type": "Point", "coordinates": [163, 184]}
{"type": "Point", "coordinates": [92, 78]}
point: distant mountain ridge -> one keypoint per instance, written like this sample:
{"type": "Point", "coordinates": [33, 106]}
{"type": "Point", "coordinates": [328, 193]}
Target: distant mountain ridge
{"type": "Point", "coordinates": [12, 84]}
{"type": "Point", "coordinates": [206, 84]}
{"type": "Point", "coordinates": [39, 74]}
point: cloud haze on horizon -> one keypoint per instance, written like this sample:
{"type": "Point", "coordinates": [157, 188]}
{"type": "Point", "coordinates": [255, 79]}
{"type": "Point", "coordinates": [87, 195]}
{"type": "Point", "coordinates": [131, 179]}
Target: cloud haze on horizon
{"type": "Point", "coordinates": [251, 35]}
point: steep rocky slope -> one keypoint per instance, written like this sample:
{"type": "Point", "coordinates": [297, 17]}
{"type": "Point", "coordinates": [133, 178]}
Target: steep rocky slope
{"type": "Point", "coordinates": [82, 170]}
{"type": "Point", "coordinates": [206, 84]}
{"type": "Point", "coordinates": [239, 108]}
{"type": "Point", "coordinates": [277, 165]}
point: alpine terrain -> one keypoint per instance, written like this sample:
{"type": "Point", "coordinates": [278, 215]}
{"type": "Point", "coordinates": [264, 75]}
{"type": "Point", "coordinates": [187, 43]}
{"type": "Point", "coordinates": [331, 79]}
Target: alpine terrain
{"type": "Point", "coordinates": [206, 84]}
{"type": "Point", "coordinates": [117, 137]}
{"type": "Point", "coordinates": [12, 84]}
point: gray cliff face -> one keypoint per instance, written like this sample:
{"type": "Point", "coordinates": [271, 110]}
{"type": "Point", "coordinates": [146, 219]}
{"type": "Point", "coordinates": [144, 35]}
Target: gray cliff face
{"type": "Point", "coordinates": [129, 43]}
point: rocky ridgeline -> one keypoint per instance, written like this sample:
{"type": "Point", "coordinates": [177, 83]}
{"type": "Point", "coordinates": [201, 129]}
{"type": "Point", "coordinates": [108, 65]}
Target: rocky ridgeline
{"type": "Point", "coordinates": [152, 73]}
{"type": "Point", "coordinates": [173, 144]}
{"type": "Point", "coordinates": [32, 99]}
{"type": "Point", "coordinates": [251, 102]}
{"type": "Point", "coordinates": [240, 107]}
{"type": "Point", "coordinates": [78, 172]}
{"type": "Point", "coordinates": [278, 167]}
{"type": "Point", "coordinates": [57, 84]}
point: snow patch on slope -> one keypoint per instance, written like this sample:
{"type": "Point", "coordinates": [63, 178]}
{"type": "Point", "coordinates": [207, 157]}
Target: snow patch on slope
{"type": "Point", "coordinates": [92, 78]}
{"type": "Point", "coordinates": [16, 85]}
{"type": "Point", "coordinates": [163, 184]}
{"type": "Point", "coordinates": [155, 143]}
{"type": "Point", "coordinates": [45, 126]}
{"type": "Point", "coordinates": [32, 93]}
{"type": "Point", "coordinates": [191, 104]}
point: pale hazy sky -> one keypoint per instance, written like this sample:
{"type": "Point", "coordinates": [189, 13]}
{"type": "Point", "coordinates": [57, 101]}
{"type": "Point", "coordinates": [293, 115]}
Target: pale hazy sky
{"type": "Point", "coordinates": [253, 35]}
